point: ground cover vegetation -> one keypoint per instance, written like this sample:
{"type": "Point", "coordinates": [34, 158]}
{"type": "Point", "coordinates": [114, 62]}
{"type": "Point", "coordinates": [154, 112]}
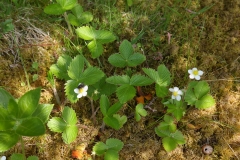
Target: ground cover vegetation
{"type": "Point", "coordinates": [119, 79]}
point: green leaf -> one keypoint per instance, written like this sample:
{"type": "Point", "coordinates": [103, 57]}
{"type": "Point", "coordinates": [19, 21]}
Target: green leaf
{"type": "Point", "coordinates": [13, 108]}
{"type": "Point", "coordinates": [32, 158]}
{"type": "Point", "coordinates": [169, 144]}
{"type": "Point", "coordinates": [28, 103]}
{"type": "Point", "coordinates": [4, 98]}
{"type": "Point", "coordinates": [54, 9]}
{"type": "Point", "coordinates": [178, 109]}
{"type": "Point", "coordinates": [57, 124]}
{"type": "Point", "coordinates": [6, 121]}
{"type": "Point", "coordinates": [135, 59]}
{"type": "Point", "coordinates": [70, 134]}
{"type": "Point", "coordinates": [8, 140]}
{"type": "Point", "coordinates": [100, 148]}
{"type": "Point", "coordinates": [126, 49]}
{"type": "Point", "coordinates": [205, 102]}
{"type": "Point", "coordinates": [114, 144]}
{"type": "Point", "coordinates": [161, 91]}
{"type": "Point", "coordinates": [77, 10]}
{"type": "Point", "coordinates": [152, 74]}
{"type": "Point", "coordinates": [140, 110]}
{"type": "Point", "coordinates": [201, 89]}
{"type": "Point", "coordinates": [43, 111]}
{"type": "Point", "coordinates": [95, 48]}
{"type": "Point", "coordinates": [178, 137]}
{"type": "Point", "coordinates": [114, 109]}
{"type": "Point", "coordinates": [118, 80]}
{"type": "Point", "coordinates": [17, 156]}
{"type": "Point", "coordinates": [189, 97]}
{"type": "Point", "coordinates": [91, 76]}
{"type": "Point", "coordinates": [60, 70]}
{"type": "Point", "coordinates": [86, 33]}
{"type": "Point", "coordinates": [67, 4]}
{"type": "Point", "coordinates": [112, 122]}
{"type": "Point", "coordinates": [140, 80]}
{"type": "Point", "coordinates": [117, 60]}
{"type": "Point", "coordinates": [69, 116]}
{"type": "Point", "coordinates": [104, 104]}
{"type": "Point", "coordinates": [31, 127]}
{"type": "Point", "coordinates": [125, 92]}
{"type": "Point", "coordinates": [104, 37]}
{"type": "Point", "coordinates": [164, 75]}
{"type": "Point", "coordinates": [76, 67]}
{"type": "Point", "coordinates": [121, 119]}
{"type": "Point", "coordinates": [70, 85]}
{"type": "Point", "coordinates": [111, 155]}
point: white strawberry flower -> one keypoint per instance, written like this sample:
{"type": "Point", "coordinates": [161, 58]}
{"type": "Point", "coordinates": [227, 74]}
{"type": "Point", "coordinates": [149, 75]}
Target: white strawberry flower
{"type": "Point", "coordinates": [3, 158]}
{"type": "Point", "coordinates": [195, 73]}
{"type": "Point", "coordinates": [81, 90]}
{"type": "Point", "coordinates": [176, 93]}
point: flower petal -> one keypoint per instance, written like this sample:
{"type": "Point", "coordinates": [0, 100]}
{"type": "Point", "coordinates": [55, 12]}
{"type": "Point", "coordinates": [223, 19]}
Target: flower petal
{"type": "Point", "coordinates": [176, 89]}
{"type": "Point", "coordinates": [79, 95]}
{"type": "Point", "coordinates": [200, 73]}
{"type": "Point", "coordinates": [84, 93]}
{"type": "Point", "coordinates": [191, 76]}
{"type": "Point", "coordinates": [85, 88]}
{"type": "Point", "coordinates": [197, 77]}
{"type": "Point", "coordinates": [173, 97]}
{"type": "Point", "coordinates": [194, 69]}
{"type": "Point", "coordinates": [180, 92]}
{"type": "Point", "coordinates": [76, 90]}
{"type": "Point", "coordinates": [178, 98]}
{"type": "Point", "coordinates": [171, 89]}
{"type": "Point", "coordinates": [190, 71]}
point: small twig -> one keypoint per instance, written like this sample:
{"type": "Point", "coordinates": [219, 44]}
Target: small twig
{"type": "Point", "coordinates": [151, 103]}
{"type": "Point", "coordinates": [231, 149]}
{"type": "Point", "coordinates": [169, 37]}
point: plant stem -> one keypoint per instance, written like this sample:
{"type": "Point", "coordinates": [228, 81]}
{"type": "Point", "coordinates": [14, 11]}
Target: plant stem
{"type": "Point", "coordinates": [93, 109]}
{"type": "Point", "coordinates": [23, 149]}
{"type": "Point", "coordinates": [68, 24]}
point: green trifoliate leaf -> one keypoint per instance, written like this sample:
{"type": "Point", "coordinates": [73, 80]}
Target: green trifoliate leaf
{"type": "Point", "coordinates": [86, 33]}
{"type": "Point", "coordinates": [76, 67]}
{"type": "Point", "coordinates": [67, 4]}
{"type": "Point", "coordinates": [57, 124]}
{"type": "Point", "coordinates": [189, 97]}
{"type": "Point", "coordinates": [164, 75]}
{"type": "Point", "coordinates": [54, 9]}
{"type": "Point", "coordinates": [140, 80]}
{"type": "Point", "coordinates": [13, 108]}
{"type": "Point", "coordinates": [79, 17]}
{"type": "Point", "coordinates": [100, 148]}
{"type": "Point", "coordinates": [114, 109]}
{"type": "Point", "coordinates": [205, 102]}
{"type": "Point", "coordinates": [91, 76]}
{"type": "Point", "coordinates": [43, 111]}
{"type": "Point", "coordinates": [104, 104]}
{"type": "Point", "coordinates": [4, 98]}
{"type": "Point", "coordinates": [118, 80]}
{"type": "Point", "coordinates": [60, 70]}
{"type": "Point", "coordinates": [70, 85]}
{"type": "Point", "coordinates": [111, 155]}
{"type": "Point", "coordinates": [127, 57]}
{"type": "Point", "coordinates": [125, 93]}
{"type": "Point", "coordinates": [11, 139]}
{"type": "Point", "coordinates": [140, 111]}
{"type": "Point", "coordinates": [69, 116]}
{"type": "Point", "coordinates": [31, 127]}
{"type": "Point", "coordinates": [28, 103]}
{"type": "Point", "coordinates": [114, 144]}
{"type": "Point", "coordinates": [70, 134]}
{"type": "Point", "coordinates": [104, 37]}
{"type": "Point", "coordinates": [178, 109]}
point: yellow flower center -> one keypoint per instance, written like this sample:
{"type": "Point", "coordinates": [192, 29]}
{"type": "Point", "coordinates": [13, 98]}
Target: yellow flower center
{"type": "Point", "coordinates": [81, 90]}
{"type": "Point", "coordinates": [195, 72]}
{"type": "Point", "coordinates": [175, 93]}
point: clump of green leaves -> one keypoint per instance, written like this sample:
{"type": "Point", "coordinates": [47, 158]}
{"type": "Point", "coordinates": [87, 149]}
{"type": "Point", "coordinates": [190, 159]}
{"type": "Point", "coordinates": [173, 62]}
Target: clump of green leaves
{"type": "Point", "coordinates": [96, 37]}
{"type": "Point", "coordinates": [60, 7]}
{"type": "Point", "coordinates": [126, 57]}
{"type": "Point", "coordinates": [66, 124]}
{"type": "Point", "coordinates": [140, 111]}
{"type": "Point", "coordinates": [22, 117]}
{"type": "Point", "coordinates": [110, 118]}
{"type": "Point", "coordinates": [17, 156]}
{"type": "Point", "coordinates": [6, 26]}
{"type": "Point", "coordinates": [109, 150]}
{"type": "Point", "coordinates": [171, 137]}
